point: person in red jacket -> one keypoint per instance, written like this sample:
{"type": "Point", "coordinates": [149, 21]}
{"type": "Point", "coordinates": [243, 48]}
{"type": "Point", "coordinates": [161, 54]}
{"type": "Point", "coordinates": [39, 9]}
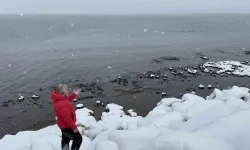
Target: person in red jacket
{"type": "Point", "coordinates": [66, 116]}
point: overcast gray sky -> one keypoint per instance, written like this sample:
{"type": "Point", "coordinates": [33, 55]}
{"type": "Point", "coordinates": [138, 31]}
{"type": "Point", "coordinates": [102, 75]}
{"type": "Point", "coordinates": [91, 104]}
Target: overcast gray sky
{"type": "Point", "coordinates": [124, 6]}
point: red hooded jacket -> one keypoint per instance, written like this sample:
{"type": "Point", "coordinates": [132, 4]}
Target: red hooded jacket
{"type": "Point", "coordinates": [65, 113]}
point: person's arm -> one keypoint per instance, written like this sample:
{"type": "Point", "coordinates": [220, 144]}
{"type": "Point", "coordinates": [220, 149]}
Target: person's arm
{"type": "Point", "coordinates": [71, 97]}
{"type": "Point", "coordinates": [65, 113]}
{"type": "Point", "coordinates": [74, 94]}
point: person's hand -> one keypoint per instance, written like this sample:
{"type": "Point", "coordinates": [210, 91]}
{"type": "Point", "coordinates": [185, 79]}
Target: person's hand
{"type": "Point", "coordinates": [77, 91]}
{"type": "Point", "coordinates": [76, 130]}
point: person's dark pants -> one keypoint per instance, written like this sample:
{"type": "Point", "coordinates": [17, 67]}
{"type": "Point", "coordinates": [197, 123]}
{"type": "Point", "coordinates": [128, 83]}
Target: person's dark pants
{"type": "Point", "coordinates": [68, 135]}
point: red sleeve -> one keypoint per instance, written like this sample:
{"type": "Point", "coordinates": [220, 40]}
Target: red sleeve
{"type": "Point", "coordinates": [66, 117]}
{"type": "Point", "coordinates": [71, 97]}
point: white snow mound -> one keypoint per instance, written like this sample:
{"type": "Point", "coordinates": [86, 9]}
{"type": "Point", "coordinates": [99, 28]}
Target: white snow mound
{"type": "Point", "coordinates": [221, 122]}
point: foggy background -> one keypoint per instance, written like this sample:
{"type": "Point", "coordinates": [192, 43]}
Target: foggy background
{"type": "Point", "coordinates": [123, 6]}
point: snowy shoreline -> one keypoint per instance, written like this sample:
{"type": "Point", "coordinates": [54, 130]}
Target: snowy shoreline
{"type": "Point", "coordinates": [220, 122]}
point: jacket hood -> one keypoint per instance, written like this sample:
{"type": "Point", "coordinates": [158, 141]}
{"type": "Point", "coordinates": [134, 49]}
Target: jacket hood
{"type": "Point", "coordinates": [57, 96]}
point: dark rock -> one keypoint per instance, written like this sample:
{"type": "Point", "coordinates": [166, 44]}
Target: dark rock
{"type": "Point", "coordinates": [205, 58]}
{"type": "Point", "coordinates": [243, 98]}
{"type": "Point", "coordinates": [209, 87]}
{"type": "Point", "coordinates": [5, 105]}
{"type": "Point", "coordinates": [103, 104]}
{"type": "Point", "coordinates": [247, 52]}
{"type": "Point", "coordinates": [194, 67]}
{"type": "Point", "coordinates": [40, 89]}
{"type": "Point", "coordinates": [21, 99]}
{"type": "Point", "coordinates": [191, 89]}
{"type": "Point", "coordinates": [114, 80]}
{"type": "Point", "coordinates": [163, 94]}
{"type": "Point", "coordinates": [157, 92]}
{"type": "Point", "coordinates": [170, 58]}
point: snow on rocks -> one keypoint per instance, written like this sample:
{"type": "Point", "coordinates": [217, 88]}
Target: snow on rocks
{"type": "Point", "coordinates": [192, 71]}
{"type": "Point", "coordinates": [204, 57]}
{"type": "Point", "coordinates": [98, 103]}
{"type": "Point", "coordinates": [233, 67]}
{"type": "Point", "coordinates": [79, 106]}
{"type": "Point", "coordinates": [132, 113]}
{"type": "Point", "coordinates": [35, 97]}
{"type": "Point", "coordinates": [219, 123]}
{"type": "Point", "coordinates": [21, 98]}
{"type": "Point", "coordinates": [179, 140]}
{"type": "Point", "coordinates": [201, 86]}
{"type": "Point", "coordinates": [209, 86]}
{"type": "Point", "coordinates": [163, 94]}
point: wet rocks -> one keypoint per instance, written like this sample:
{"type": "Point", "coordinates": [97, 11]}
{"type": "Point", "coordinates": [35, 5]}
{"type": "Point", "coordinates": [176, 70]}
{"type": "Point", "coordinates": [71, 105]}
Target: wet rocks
{"type": "Point", "coordinates": [86, 97]}
{"type": "Point", "coordinates": [165, 58]}
{"type": "Point", "coordinates": [194, 67]}
{"type": "Point", "coordinates": [40, 89]}
{"type": "Point", "coordinates": [204, 58]}
{"type": "Point", "coordinates": [21, 98]}
{"type": "Point", "coordinates": [92, 113]}
{"type": "Point", "coordinates": [209, 87]}
{"type": "Point", "coordinates": [157, 92]}
{"type": "Point", "coordinates": [247, 52]}
{"type": "Point", "coordinates": [79, 106]}
{"type": "Point", "coordinates": [103, 105]}
{"type": "Point", "coordinates": [4, 105]}
{"type": "Point", "coordinates": [201, 86]}
{"type": "Point", "coordinates": [191, 89]}
{"type": "Point", "coordinates": [157, 77]}
{"type": "Point", "coordinates": [98, 103]}
{"type": "Point", "coordinates": [35, 97]}
{"type": "Point", "coordinates": [191, 71]}
{"type": "Point", "coordinates": [163, 94]}
{"type": "Point", "coordinates": [152, 76]}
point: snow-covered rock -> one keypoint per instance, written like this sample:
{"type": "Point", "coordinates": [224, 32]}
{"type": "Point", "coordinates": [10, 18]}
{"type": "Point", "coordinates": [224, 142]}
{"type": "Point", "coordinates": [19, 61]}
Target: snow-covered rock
{"type": "Point", "coordinates": [234, 67]}
{"type": "Point", "coordinates": [221, 122]}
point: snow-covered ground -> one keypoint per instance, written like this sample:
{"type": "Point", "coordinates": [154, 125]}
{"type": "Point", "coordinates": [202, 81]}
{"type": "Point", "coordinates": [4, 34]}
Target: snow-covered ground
{"type": "Point", "coordinates": [221, 122]}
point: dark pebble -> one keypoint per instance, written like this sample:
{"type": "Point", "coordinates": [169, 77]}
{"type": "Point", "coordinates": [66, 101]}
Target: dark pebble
{"type": "Point", "coordinates": [164, 94]}
{"type": "Point", "coordinates": [157, 92]}
{"type": "Point", "coordinates": [40, 89]}
{"type": "Point", "coordinates": [5, 105]}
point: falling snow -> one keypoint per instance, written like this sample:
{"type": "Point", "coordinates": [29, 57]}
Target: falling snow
{"type": "Point", "coordinates": [145, 30]}
{"type": "Point", "coordinates": [21, 14]}
{"type": "Point", "coordinates": [9, 65]}
{"type": "Point", "coordinates": [162, 32]}
{"type": "Point", "coordinates": [72, 25]}
{"type": "Point", "coordinates": [248, 24]}
{"type": "Point", "coordinates": [109, 67]}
